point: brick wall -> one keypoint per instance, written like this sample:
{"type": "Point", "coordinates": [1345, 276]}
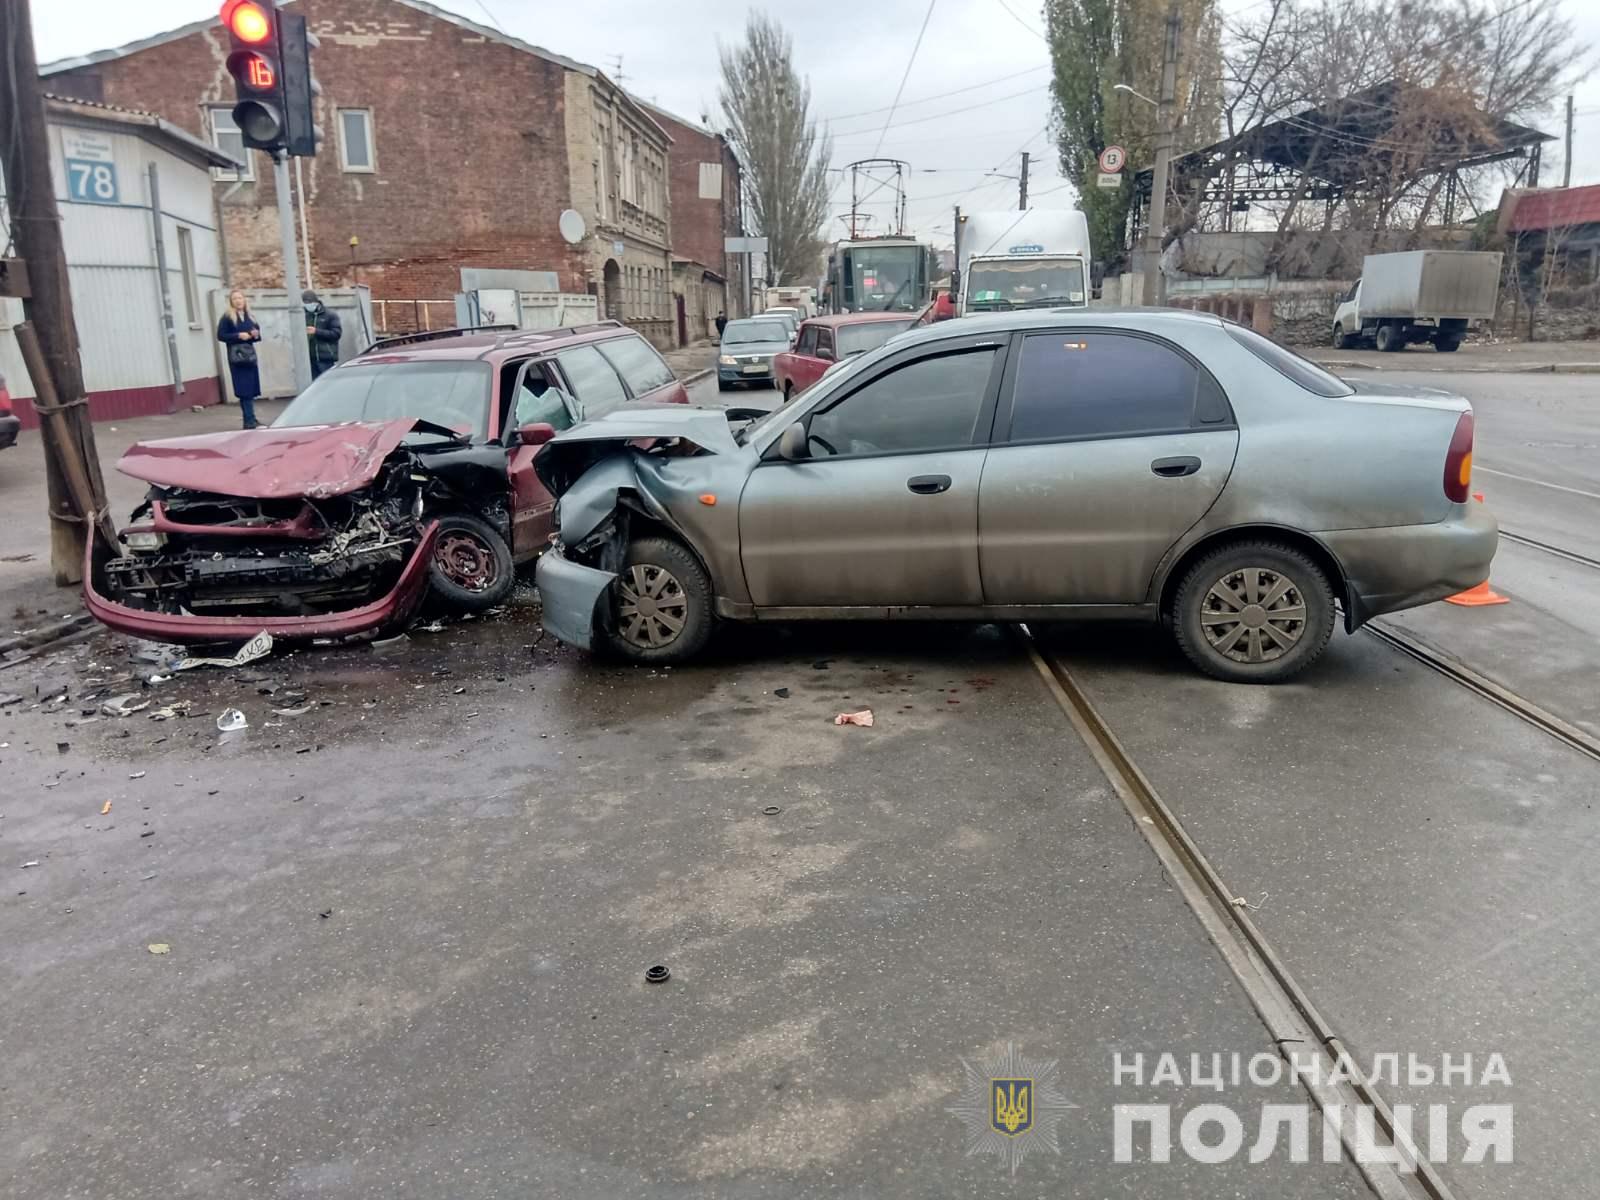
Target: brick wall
{"type": "Point", "coordinates": [469, 142]}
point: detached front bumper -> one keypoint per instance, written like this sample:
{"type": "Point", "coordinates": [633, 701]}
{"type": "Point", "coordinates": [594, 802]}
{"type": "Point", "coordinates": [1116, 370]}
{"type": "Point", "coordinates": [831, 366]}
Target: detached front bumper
{"type": "Point", "coordinates": [1390, 569]}
{"type": "Point", "coordinates": [390, 609]}
{"type": "Point", "coordinates": [570, 593]}
{"type": "Point", "coordinates": [9, 428]}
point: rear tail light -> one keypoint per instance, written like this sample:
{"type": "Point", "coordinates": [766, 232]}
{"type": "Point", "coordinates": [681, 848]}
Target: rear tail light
{"type": "Point", "coordinates": [1458, 462]}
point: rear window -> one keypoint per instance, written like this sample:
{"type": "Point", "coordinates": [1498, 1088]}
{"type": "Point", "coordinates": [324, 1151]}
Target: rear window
{"type": "Point", "coordinates": [636, 360]}
{"type": "Point", "coordinates": [453, 393]}
{"type": "Point", "coordinates": [1289, 364]}
{"type": "Point", "coordinates": [868, 335]}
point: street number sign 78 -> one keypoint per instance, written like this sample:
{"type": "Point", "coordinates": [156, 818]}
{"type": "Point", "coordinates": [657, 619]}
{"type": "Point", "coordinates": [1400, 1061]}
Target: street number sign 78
{"type": "Point", "coordinates": [91, 182]}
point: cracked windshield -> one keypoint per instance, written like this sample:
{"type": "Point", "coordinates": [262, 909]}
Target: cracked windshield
{"type": "Point", "coordinates": [931, 599]}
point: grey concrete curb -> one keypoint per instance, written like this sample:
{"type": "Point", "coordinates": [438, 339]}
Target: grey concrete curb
{"type": "Point", "coordinates": [697, 376]}
{"type": "Point", "coordinates": [1577, 368]}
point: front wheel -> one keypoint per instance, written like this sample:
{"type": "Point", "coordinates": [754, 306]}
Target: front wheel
{"type": "Point", "coordinates": [471, 568]}
{"type": "Point", "coordinates": [1343, 340]}
{"type": "Point", "coordinates": [1253, 612]}
{"type": "Point", "coordinates": [660, 608]}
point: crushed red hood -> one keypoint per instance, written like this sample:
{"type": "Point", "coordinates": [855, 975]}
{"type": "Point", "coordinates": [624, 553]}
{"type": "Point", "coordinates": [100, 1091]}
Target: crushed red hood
{"type": "Point", "coordinates": [270, 464]}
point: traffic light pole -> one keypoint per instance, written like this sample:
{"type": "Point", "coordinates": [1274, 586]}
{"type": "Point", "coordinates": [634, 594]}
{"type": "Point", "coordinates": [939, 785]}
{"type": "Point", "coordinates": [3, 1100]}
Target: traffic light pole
{"type": "Point", "coordinates": [299, 344]}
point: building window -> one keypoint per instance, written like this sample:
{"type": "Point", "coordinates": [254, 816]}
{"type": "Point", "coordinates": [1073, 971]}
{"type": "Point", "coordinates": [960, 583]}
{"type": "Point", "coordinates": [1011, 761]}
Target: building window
{"type": "Point", "coordinates": [355, 140]}
{"type": "Point", "coordinates": [191, 285]}
{"type": "Point", "coordinates": [225, 136]}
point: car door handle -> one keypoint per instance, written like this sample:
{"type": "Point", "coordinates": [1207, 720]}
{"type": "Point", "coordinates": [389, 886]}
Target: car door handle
{"type": "Point", "coordinates": [928, 485]}
{"type": "Point", "coordinates": [1175, 468]}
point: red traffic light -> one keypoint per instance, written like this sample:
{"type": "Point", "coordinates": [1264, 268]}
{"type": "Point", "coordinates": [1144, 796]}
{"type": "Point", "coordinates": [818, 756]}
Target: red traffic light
{"type": "Point", "coordinates": [248, 21]}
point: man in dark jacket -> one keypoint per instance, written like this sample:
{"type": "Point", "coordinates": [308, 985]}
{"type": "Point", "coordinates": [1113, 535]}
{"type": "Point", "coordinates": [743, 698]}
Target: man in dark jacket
{"type": "Point", "coordinates": [323, 332]}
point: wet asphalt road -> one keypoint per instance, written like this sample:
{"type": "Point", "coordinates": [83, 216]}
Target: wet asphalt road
{"type": "Point", "coordinates": [503, 835]}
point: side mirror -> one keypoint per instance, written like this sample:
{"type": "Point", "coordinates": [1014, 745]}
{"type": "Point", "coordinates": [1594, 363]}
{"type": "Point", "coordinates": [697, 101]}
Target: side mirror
{"type": "Point", "coordinates": [825, 354]}
{"type": "Point", "coordinates": [793, 445]}
{"type": "Point", "coordinates": [536, 434]}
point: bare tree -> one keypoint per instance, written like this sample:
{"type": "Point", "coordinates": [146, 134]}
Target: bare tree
{"type": "Point", "coordinates": [767, 106]}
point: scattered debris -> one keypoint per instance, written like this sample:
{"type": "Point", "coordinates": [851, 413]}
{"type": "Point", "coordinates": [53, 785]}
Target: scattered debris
{"type": "Point", "coordinates": [171, 711]}
{"type": "Point", "coordinates": [159, 948]}
{"type": "Point", "coordinates": [301, 711]}
{"type": "Point", "coordinates": [30, 863]}
{"type": "Point", "coordinates": [434, 627]}
{"type": "Point", "coordinates": [125, 705]}
{"type": "Point", "coordinates": [325, 913]}
{"type": "Point", "coordinates": [148, 833]}
{"type": "Point", "coordinates": [1241, 902]}
{"type": "Point", "coordinates": [76, 721]}
{"type": "Point", "coordinates": [155, 679]}
{"type": "Point", "coordinates": [7, 699]}
{"type": "Point", "coordinates": [63, 747]}
{"type": "Point", "coordinates": [105, 808]}
{"type": "Point", "coordinates": [862, 718]}
{"type": "Point", "coordinates": [138, 775]}
{"type": "Point", "coordinates": [821, 664]}
{"type": "Point", "coordinates": [781, 693]}
{"type": "Point", "coordinates": [384, 645]}
{"type": "Point", "coordinates": [657, 974]}
{"type": "Point", "coordinates": [771, 810]}
{"type": "Point", "coordinates": [257, 647]}
{"type": "Point", "coordinates": [232, 721]}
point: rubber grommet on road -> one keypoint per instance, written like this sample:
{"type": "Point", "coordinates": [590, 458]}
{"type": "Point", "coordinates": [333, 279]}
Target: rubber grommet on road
{"type": "Point", "coordinates": [657, 974]}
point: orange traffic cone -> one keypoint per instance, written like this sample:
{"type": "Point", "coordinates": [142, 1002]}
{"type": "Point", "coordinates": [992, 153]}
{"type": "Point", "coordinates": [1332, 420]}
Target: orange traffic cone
{"type": "Point", "coordinates": [1482, 595]}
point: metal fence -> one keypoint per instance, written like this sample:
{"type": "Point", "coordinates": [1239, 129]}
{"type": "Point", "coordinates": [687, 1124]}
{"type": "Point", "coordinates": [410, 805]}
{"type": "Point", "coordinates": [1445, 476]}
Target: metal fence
{"type": "Point", "coordinates": [392, 317]}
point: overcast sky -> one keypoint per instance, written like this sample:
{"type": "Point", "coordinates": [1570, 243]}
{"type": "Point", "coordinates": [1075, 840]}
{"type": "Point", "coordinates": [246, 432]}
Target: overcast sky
{"type": "Point", "coordinates": [854, 52]}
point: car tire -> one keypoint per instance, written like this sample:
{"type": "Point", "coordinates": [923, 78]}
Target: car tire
{"type": "Point", "coordinates": [1388, 339]}
{"type": "Point", "coordinates": [1447, 345]}
{"type": "Point", "coordinates": [682, 593]}
{"type": "Point", "coordinates": [1259, 647]}
{"type": "Point", "coordinates": [1343, 340]}
{"type": "Point", "coordinates": [788, 392]}
{"type": "Point", "coordinates": [471, 568]}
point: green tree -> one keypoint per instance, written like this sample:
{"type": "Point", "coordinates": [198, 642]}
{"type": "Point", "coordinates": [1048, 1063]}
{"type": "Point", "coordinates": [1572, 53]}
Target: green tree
{"type": "Point", "coordinates": [767, 106]}
{"type": "Point", "coordinates": [1097, 44]}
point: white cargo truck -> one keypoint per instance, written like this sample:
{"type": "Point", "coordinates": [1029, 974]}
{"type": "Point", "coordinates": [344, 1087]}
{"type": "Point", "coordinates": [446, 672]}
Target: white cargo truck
{"type": "Point", "coordinates": [1418, 296]}
{"type": "Point", "coordinates": [1038, 258]}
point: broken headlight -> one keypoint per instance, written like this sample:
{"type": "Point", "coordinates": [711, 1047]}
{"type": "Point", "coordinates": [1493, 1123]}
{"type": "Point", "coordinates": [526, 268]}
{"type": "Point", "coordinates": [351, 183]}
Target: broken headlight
{"type": "Point", "coordinates": [145, 540]}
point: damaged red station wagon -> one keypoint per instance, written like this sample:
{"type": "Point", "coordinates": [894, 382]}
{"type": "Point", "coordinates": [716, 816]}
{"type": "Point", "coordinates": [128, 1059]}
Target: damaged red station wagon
{"type": "Point", "coordinates": [405, 469]}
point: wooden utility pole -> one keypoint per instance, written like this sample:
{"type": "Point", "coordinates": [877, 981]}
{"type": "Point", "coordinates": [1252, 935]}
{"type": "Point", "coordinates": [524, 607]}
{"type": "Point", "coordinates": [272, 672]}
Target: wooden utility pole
{"type": "Point", "coordinates": [65, 431]}
{"type": "Point", "coordinates": [1155, 291]}
{"type": "Point", "coordinates": [1022, 185]}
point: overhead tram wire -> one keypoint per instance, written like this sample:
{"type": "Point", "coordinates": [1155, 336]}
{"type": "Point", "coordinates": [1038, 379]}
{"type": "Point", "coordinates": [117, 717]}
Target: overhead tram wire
{"type": "Point", "coordinates": [1012, 14]}
{"type": "Point", "coordinates": [971, 87]}
{"type": "Point", "coordinates": [899, 91]}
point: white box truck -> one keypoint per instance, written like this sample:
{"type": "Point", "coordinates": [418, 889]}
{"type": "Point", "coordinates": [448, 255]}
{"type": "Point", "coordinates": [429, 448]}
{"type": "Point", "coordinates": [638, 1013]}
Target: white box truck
{"type": "Point", "coordinates": [1037, 258]}
{"type": "Point", "coordinates": [1418, 296]}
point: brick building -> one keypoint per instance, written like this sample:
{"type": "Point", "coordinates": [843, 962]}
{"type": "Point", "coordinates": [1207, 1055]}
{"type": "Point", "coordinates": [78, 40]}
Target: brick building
{"type": "Point", "coordinates": [703, 182]}
{"type": "Point", "coordinates": [448, 145]}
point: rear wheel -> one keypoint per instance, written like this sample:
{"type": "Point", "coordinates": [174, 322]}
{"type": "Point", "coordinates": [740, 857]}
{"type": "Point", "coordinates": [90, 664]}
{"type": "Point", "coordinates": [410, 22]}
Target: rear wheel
{"type": "Point", "coordinates": [1447, 343]}
{"type": "Point", "coordinates": [1388, 338]}
{"type": "Point", "coordinates": [1253, 612]}
{"type": "Point", "coordinates": [471, 568]}
{"type": "Point", "coordinates": [660, 607]}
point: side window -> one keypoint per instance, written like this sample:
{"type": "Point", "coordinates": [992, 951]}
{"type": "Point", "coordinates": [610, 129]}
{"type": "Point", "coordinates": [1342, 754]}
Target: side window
{"type": "Point", "coordinates": [636, 360]}
{"type": "Point", "coordinates": [1085, 384]}
{"type": "Point", "coordinates": [929, 404]}
{"type": "Point", "coordinates": [808, 341]}
{"type": "Point", "coordinates": [825, 344]}
{"type": "Point", "coordinates": [538, 400]}
{"type": "Point", "coordinates": [595, 384]}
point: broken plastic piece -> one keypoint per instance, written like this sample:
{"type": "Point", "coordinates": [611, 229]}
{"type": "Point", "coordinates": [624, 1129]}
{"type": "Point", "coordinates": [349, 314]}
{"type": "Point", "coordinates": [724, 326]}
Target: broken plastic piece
{"type": "Point", "coordinates": [231, 721]}
{"type": "Point", "coordinates": [123, 706]}
{"type": "Point", "coordinates": [257, 647]}
{"type": "Point", "coordinates": [781, 693]}
{"type": "Point", "coordinates": [657, 974]}
{"type": "Point", "coordinates": [293, 712]}
{"type": "Point", "coordinates": [159, 948]}
{"type": "Point", "coordinates": [105, 808]}
{"type": "Point", "coordinates": [862, 718]}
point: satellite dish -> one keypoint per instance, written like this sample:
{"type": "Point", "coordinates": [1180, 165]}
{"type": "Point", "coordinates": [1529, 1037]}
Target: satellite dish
{"type": "Point", "coordinates": [572, 226]}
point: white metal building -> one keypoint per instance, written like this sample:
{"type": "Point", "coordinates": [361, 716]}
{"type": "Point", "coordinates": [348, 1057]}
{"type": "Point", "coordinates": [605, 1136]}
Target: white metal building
{"type": "Point", "coordinates": [109, 167]}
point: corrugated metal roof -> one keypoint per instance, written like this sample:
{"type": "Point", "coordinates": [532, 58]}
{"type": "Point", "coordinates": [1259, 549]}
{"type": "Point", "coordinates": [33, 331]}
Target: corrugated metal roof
{"type": "Point", "coordinates": [1555, 208]}
{"type": "Point", "coordinates": [178, 140]}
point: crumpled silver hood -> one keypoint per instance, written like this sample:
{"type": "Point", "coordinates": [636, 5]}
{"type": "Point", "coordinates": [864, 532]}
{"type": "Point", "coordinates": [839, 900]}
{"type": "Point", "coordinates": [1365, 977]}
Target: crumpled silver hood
{"type": "Point", "coordinates": [568, 455]}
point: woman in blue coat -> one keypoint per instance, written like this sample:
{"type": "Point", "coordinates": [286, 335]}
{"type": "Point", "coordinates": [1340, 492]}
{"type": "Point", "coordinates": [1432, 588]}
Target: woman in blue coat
{"type": "Point", "coordinates": [240, 333]}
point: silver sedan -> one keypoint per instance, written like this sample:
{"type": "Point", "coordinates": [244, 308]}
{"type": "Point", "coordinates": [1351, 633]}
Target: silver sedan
{"type": "Point", "coordinates": [1027, 466]}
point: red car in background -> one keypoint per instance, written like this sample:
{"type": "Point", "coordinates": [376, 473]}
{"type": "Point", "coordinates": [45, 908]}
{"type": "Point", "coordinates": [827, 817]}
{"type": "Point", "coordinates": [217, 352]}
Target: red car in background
{"type": "Point", "coordinates": [10, 423]}
{"type": "Point", "coordinates": [824, 341]}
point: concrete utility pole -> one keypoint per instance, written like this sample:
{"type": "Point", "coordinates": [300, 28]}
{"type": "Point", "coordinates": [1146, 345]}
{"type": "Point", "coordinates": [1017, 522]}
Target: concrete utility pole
{"type": "Point", "coordinates": [1155, 290]}
{"type": "Point", "coordinates": [299, 346]}
{"type": "Point", "coordinates": [1022, 183]}
{"type": "Point", "coordinates": [1566, 163]}
{"type": "Point", "coordinates": [49, 338]}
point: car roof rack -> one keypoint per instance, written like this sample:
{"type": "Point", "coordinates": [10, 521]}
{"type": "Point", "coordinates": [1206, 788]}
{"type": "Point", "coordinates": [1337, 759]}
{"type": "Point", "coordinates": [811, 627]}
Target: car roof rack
{"type": "Point", "coordinates": [433, 335]}
{"type": "Point", "coordinates": [556, 331]}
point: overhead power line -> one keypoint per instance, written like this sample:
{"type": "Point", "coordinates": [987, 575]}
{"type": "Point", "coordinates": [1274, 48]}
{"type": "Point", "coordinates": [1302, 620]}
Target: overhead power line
{"type": "Point", "coordinates": [951, 112]}
{"type": "Point", "coordinates": [917, 45]}
{"type": "Point", "coordinates": [1010, 12]}
{"type": "Point", "coordinates": [945, 95]}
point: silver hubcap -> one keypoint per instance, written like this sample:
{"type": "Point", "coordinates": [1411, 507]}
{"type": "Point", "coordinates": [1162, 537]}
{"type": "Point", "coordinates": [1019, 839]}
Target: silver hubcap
{"type": "Point", "coordinates": [651, 606]}
{"type": "Point", "coordinates": [1253, 615]}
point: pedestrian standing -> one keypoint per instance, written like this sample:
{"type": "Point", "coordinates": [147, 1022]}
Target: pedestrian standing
{"type": "Point", "coordinates": [323, 332]}
{"type": "Point", "coordinates": [239, 332]}
{"type": "Point", "coordinates": [722, 323]}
